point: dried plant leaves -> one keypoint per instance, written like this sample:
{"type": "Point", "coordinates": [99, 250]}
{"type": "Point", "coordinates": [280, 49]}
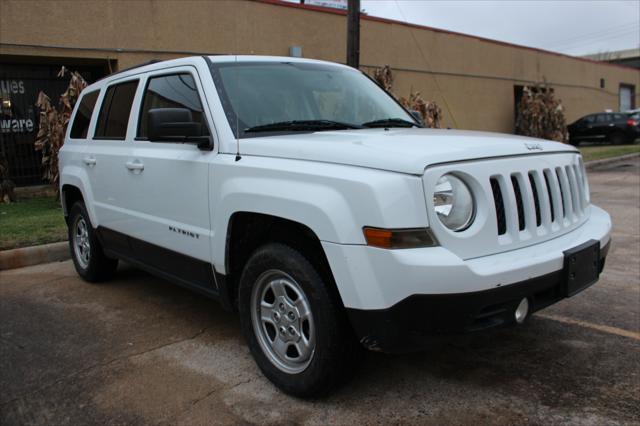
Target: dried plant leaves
{"type": "Point", "coordinates": [429, 110]}
{"type": "Point", "coordinates": [541, 115]}
{"type": "Point", "coordinates": [7, 195]}
{"type": "Point", "coordinates": [53, 124]}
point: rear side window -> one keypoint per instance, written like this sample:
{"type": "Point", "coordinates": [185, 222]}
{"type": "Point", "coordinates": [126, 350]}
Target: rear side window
{"type": "Point", "coordinates": [115, 110]}
{"type": "Point", "coordinates": [81, 121]}
{"type": "Point", "coordinates": [601, 118]}
{"type": "Point", "coordinates": [171, 91]}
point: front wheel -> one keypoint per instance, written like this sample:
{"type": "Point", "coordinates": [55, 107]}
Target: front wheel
{"type": "Point", "coordinates": [88, 258]}
{"type": "Point", "coordinates": [618, 138]}
{"type": "Point", "coordinates": [294, 325]}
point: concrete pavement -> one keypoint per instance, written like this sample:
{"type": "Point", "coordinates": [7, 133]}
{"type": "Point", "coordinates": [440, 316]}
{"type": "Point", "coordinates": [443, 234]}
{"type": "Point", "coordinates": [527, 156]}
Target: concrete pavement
{"type": "Point", "coordinates": [139, 350]}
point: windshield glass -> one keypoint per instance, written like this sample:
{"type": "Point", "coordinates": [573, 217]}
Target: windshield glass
{"type": "Point", "coordinates": [301, 96]}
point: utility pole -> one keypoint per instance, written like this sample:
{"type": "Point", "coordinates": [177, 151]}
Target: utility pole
{"type": "Point", "coordinates": [353, 34]}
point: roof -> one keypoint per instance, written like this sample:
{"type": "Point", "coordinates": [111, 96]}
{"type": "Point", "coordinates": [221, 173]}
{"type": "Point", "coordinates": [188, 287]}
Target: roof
{"type": "Point", "coordinates": [615, 55]}
{"type": "Point", "coordinates": [365, 17]}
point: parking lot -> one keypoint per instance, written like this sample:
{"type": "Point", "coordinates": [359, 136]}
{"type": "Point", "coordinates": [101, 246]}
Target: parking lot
{"type": "Point", "coordinates": [139, 350]}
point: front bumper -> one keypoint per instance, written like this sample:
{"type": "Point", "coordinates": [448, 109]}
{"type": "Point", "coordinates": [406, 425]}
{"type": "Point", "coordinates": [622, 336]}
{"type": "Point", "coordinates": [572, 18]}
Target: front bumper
{"type": "Point", "coordinates": [395, 296]}
{"type": "Point", "coordinates": [407, 325]}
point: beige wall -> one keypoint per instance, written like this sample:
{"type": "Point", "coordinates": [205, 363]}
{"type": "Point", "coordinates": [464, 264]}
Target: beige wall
{"type": "Point", "coordinates": [479, 96]}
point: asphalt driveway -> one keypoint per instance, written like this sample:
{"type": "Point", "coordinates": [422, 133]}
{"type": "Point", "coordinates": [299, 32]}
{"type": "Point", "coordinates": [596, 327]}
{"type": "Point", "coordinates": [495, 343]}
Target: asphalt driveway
{"type": "Point", "coordinates": [139, 350]}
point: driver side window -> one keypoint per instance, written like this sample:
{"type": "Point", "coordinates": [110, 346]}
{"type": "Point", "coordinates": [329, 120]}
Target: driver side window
{"type": "Point", "coordinates": [171, 91]}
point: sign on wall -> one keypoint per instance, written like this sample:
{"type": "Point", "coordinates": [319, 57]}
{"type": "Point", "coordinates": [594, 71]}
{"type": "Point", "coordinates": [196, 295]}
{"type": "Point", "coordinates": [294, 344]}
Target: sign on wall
{"type": "Point", "coordinates": [335, 4]}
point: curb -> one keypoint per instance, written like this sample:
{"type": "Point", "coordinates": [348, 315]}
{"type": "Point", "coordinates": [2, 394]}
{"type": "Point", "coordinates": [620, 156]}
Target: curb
{"type": "Point", "coordinates": [28, 256]}
{"type": "Point", "coordinates": [596, 163]}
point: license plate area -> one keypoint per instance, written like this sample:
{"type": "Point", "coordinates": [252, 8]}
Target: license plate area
{"type": "Point", "coordinates": [581, 267]}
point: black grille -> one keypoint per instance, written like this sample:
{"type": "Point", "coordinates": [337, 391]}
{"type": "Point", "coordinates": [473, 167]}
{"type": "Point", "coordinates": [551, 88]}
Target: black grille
{"type": "Point", "coordinates": [546, 181]}
{"type": "Point", "coordinates": [499, 203]}
{"type": "Point", "coordinates": [536, 200]}
{"type": "Point", "coordinates": [562, 190]}
{"type": "Point", "coordinates": [518, 194]}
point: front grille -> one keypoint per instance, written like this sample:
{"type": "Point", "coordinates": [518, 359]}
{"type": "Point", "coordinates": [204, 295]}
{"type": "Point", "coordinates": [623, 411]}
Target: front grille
{"type": "Point", "coordinates": [521, 201]}
{"type": "Point", "coordinates": [528, 200]}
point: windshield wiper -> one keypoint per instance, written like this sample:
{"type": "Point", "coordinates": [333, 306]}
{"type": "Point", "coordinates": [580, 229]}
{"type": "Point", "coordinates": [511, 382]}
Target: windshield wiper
{"type": "Point", "coordinates": [391, 122]}
{"type": "Point", "coordinates": [302, 125]}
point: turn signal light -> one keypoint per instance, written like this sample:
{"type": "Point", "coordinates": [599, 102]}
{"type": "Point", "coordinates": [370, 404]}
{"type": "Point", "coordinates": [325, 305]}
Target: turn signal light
{"type": "Point", "coordinates": [399, 238]}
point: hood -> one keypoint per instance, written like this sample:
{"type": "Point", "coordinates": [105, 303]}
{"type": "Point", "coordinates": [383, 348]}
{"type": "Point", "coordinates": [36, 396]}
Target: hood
{"type": "Point", "coordinates": [399, 150]}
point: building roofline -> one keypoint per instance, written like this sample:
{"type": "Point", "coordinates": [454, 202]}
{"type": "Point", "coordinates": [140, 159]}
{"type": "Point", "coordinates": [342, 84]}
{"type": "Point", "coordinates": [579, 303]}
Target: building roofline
{"type": "Point", "coordinates": [365, 17]}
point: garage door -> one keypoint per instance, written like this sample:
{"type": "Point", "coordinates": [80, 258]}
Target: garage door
{"type": "Point", "coordinates": [627, 97]}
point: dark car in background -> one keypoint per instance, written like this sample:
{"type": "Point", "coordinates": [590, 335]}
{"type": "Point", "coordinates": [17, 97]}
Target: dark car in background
{"type": "Point", "coordinates": [611, 127]}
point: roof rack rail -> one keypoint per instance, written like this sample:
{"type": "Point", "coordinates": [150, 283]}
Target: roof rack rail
{"type": "Point", "coordinates": [153, 61]}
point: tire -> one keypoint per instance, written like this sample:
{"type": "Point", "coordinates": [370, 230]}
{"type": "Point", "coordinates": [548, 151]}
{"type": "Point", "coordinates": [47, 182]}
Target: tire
{"type": "Point", "coordinates": [86, 251]}
{"type": "Point", "coordinates": [617, 138]}
{"type": "Point", "coordinates": [321, 352]}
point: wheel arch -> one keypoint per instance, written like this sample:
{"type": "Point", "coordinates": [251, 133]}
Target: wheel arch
{"type": "Point", "coordinates": [74, 186]}
{"type": "Point", "coordinates": [247, 231]}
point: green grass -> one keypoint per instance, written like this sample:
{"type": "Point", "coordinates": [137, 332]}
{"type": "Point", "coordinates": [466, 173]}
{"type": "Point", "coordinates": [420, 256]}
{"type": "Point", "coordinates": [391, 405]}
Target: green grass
{"type": "Point", "coordinates": [31, 222]}
{"type": "Point", "coordinates": [599, 152]}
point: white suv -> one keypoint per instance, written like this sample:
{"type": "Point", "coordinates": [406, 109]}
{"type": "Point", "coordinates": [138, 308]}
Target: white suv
{"type": "Point", "coordinates": [303, 195]}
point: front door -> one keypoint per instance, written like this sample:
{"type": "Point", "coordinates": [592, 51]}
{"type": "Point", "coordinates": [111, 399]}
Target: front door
{"type": "Point", "coordinates": [169, 184]}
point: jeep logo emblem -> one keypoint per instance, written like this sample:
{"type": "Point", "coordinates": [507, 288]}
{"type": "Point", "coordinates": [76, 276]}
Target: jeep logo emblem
{"type": "Point", "coordinates": [533, 146]}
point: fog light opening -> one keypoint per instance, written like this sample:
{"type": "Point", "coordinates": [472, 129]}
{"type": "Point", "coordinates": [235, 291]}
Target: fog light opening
{"type": "Point", "coordinates": [522, 310]}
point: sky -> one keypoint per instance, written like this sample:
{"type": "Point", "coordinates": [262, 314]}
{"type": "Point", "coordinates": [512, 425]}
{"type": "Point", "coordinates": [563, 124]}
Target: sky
{"type": "Point", "coordinates": [572, 27]}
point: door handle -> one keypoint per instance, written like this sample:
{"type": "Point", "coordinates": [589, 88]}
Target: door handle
{"type": "Point", "coordinates": [135, 166]}
{"type": "Point", "coordinates": [89, 161]}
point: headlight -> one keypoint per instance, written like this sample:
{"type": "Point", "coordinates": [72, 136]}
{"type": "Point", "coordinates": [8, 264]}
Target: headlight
{"type": "Point", "coordinates": [453, 203]}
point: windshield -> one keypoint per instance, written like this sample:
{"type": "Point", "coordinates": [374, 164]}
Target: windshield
{"type": "Point", "coordinates": [263, 98]}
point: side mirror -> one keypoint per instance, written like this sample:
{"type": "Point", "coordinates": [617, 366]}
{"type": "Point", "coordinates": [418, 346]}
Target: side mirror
{"type": "Point", "coordinates": [417, 116]}
{"type": "Point", "coordinates": [175, 125]}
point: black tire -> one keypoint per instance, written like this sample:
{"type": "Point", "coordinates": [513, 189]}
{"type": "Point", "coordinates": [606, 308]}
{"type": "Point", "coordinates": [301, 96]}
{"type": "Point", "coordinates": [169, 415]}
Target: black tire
{"type": "Point", "coordinates": [336, 350]}
{"type": "Point", "coordinates": [618, 138]}
{"type": "Point", "coordinates": [96, 267]}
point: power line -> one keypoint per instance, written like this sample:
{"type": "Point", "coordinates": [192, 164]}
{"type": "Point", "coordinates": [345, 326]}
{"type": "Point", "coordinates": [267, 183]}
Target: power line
{"type": "Point", "coordinates": [592, 41]}
{"type": "Point", "coordinates": [424, 58]}
{"type": "Point", "coordinates": [603, 32]}
{"type": "Point", "coordinates": [583, 40]}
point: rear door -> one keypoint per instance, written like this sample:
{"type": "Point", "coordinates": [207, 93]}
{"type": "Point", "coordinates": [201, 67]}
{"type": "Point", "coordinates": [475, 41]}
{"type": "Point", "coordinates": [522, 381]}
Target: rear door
{"type": "Point", "coordinates": [107, 151]}
{"type": "Point", "coordinates": [169, 182]}
{"type": "Point", "coordinates": [601, 126]}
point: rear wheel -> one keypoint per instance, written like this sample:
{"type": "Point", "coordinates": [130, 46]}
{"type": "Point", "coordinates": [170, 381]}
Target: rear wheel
{"type": "Point", "coordinates": [295, 327]}
{"type": "Point", "coordinates": [88, 258]}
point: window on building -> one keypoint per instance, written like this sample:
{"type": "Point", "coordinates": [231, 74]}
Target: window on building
{"type": "Point", "coordinates": [627, 97]}
{"type": "Point", "coordinates": [115, 110]}
{"type": "Point", "coordinates": [81, 121]}
{"type": "Point", "coordinates": [171, 91]}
